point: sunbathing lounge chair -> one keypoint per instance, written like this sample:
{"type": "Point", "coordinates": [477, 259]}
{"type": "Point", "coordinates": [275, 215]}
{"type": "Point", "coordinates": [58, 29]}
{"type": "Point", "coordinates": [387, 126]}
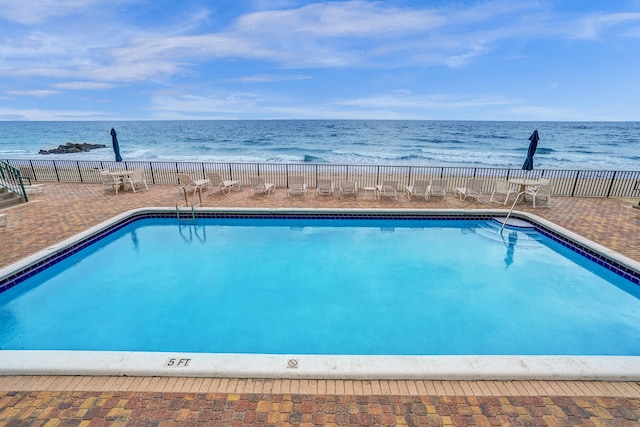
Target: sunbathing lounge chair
{"type": "Point", "coordinates": [438, 187]}
{"type": "Point", "coordinates": [225, 186]}
{"type": "Point", "coordinates": [502, 186]}
{"type": "Point", "coordinates": [472, 188]}
{"type": "Point", "coordinates": [258, 186]}
{"type": "Point", "coordinates": [324, 187]}
{"type": "Point", "coordinates": [186, 181]}
{"type": "Point", "coordinates": [348, 187]}
{"type": "Point", "coordinates": [297, 186]}
{"type": "Point", "coordinates": [419, 188]}
{"type": "Point", "coordinates": [388, 189]}
{"type": "Point", "coordinates": [136, 178]}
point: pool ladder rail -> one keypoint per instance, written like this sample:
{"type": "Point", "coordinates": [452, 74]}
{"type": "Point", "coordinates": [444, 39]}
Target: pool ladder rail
{"type": "Point", "coordinates": [506, 219]}
{"type": "Point", "coordinates": [182, 194]}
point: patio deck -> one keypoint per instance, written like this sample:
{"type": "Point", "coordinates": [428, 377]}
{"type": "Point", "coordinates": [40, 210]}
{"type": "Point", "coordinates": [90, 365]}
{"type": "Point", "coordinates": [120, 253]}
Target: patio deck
{"type": "Point", "coordinates": [67, 208]}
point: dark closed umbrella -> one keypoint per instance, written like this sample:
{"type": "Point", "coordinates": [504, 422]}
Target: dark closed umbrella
{"type": "Point", "coordinates": [528, 163]}
{"type": "Point", "coordinates": [511, 246]}
{"type": "Point", "coordinates": [116, 147]}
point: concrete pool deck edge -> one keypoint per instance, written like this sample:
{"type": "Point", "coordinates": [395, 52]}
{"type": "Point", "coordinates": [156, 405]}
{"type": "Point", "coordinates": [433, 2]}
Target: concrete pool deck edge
{"type": "Point", "coordinates": [100, 363]}
{"type": "Point", "coordinates": [606, 368]}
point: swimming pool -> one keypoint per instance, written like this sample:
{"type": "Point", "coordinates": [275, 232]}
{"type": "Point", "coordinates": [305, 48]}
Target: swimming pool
{"type": "Point", "coordinates": [338, 285]}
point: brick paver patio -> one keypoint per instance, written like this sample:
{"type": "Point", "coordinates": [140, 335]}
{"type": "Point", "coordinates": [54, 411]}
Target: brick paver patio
{"type": "Point", "coordinates": [66, 209]}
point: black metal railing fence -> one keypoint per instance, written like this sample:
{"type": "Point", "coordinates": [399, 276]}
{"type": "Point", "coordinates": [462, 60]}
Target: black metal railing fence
{"type": "Point", "coordinates": [12, 180]}
{"type": "Point", "coordinates": [588, 183]}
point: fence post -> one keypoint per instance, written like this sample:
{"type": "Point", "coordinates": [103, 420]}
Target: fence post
{"type": "Point", "coordinates": [575, 184]}
{"type": "Point", "coordinates": [613, 178]}
{"type": "Point", "coordinates": [153, 178]}
{"type": "Point", "coordinates": [55, 168]}
{"type": "Point", "coordinates": [33, 171]}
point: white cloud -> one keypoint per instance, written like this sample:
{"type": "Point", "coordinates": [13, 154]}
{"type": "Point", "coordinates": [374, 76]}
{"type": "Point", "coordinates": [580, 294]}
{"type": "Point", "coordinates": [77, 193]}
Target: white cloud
{"type": "Point", "coordinates": [319, 35]}
{"type": "Point", "coordinates": [339, 19]}
{"type": "Point", "coordinates": [270, 78]}
{"type": "Point", "coordinates": [417, 102]}
{"type": "Point", "coordinates": [276, 44]}
{"type": "Point", "coordinates": [38, 93]}
{"type": "Point", "coordinates": [40, 114]}
{"type": "Point", "coordinates": [30, 12]}
{"type": "Point", "coordinates": [84, 85]}
{"type": "Point", "coordinates": [592, 26]}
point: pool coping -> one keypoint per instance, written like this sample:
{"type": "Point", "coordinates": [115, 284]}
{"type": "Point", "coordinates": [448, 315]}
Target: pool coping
{"type": "Point", "coordinates": [34, 362]}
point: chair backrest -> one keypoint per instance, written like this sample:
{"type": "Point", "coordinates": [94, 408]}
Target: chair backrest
{"type": "Point", "coordinates": [420, 186]}
{"type": "Point", "coordinates": [348, 186]}
{"type": "Point", "coordinates": [214, 178]}
{"type": "Point", "coordinates": [324, 185]}
{"type": "Point", "coordinates": [389, 187]}
{"type": "Point", "coordinates": [438, 185]}
{"type": "Point", "coordinates": [474, 185]}
{"type": "Point", "coordinates": [109, 179]}
{"type": "Point", "coordinates": [296, 184]}
{"type": "Point", "coordinates": [544, 188]}
{"type": "Point", "coordinates": [296, 180]}
{"type": "Point", "coordinates": [138, 176]}
{"type": "Point", "coordinates": [184, 179]}
{"type": "Point", "coordinates": [501, 186]}
{"type": "Point", "coordinates": [257, 182]}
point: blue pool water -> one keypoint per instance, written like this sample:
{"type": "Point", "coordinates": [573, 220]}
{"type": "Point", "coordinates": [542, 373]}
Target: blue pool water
{"type": "Point", "coordinates": [302, 286]}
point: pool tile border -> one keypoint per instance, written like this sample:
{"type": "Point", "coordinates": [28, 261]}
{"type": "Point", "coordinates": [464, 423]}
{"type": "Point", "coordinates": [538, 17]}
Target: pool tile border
{"type": "Point", "coordinates": [71, 249]}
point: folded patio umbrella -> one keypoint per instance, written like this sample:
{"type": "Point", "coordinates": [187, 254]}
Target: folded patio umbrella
{"type": "Point", "coordinates": [116, 147]}
{"type": "Point", "coordinates": [528, 163]}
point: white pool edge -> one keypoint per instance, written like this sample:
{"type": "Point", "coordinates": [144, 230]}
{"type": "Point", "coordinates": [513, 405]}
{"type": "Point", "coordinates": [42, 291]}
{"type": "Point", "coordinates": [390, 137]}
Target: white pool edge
{"type": "Point", "coordinates": [102, 363]}
{"type": "Point", "coordinates": [37, 362]}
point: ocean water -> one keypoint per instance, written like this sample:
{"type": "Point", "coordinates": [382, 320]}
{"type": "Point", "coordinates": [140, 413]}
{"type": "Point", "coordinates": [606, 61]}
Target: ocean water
{"type": "Point", "coordinates": [563, 145]}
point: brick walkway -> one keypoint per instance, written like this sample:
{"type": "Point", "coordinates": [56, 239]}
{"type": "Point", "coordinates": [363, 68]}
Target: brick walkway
{"type": "Point", "coordinates": [66, 209]}
{"type": "Point", "coordinates": [199, 409]}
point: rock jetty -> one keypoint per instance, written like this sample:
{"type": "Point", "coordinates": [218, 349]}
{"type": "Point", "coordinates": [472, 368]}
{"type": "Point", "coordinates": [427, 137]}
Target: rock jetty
{"type": "Point", "coordinates": [72, 147]}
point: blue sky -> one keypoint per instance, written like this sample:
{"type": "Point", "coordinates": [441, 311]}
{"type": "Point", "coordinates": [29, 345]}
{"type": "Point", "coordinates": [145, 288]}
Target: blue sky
{"type": "Point", "coordinates": [289, 59]}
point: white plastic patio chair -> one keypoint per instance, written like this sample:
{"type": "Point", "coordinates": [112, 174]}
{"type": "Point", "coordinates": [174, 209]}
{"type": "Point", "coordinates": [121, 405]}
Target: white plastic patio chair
{"type": "Point", "coordinates": [225, 186]}
{"type": "Point", "coordinates": [347, 188]}
{"type": "Point", "coordinates": [110, 182]}
{"type": "Point", "coordinates": [502, 186]}
{"type": "Point", "coordinates": [297, 186]}
{"type": "Point", "coordinates": [419, 188]}
{"type": "Point", "coordinates": [324, 187]}
{"type": "Point", "coordinates": [136, 177]}
{"type": "Point", "coordinates": [388, 189]}
{"type": "Point", "coordinates": [186, 181]}
{"type": "Point", "coordinates": [542, 191]}
{"type": "Point", "coordinates": [438, 187]}
{"type": "Point", "coordinates": [258, 186]}
{"type": "Point", "coordinates": [472, 188]}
